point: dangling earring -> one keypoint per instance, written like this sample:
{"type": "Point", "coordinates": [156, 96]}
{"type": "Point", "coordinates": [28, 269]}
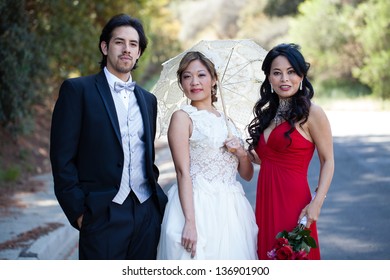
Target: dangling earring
{"type": "Point", "coordinates": [213, 95]}
{"type": "Point", "coordinates": [300, 86]}
{"type": "Point", "coordinates": [272, 89]}
{"type": "Point", "coordinates": [182, 90]}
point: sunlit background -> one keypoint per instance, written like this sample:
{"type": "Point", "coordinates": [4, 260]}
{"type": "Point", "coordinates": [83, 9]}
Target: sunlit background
{"type": "Point", "coordinates": [347, 42]}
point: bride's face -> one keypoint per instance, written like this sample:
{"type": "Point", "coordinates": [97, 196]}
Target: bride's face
{"type": "Point", "coordinates": [197, 82]}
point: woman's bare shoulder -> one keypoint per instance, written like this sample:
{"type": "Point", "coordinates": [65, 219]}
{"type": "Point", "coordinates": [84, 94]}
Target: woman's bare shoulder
{"type": "Point", "coordinates": [316, 113]}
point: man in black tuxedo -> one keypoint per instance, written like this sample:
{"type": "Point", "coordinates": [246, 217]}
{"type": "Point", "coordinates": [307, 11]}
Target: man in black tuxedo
{"type": "Point", "coordinates": [102, 152]}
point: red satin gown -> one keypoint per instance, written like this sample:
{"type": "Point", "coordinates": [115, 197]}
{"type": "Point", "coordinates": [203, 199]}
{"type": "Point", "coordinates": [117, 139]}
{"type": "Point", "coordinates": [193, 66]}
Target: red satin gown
{"type": "Point", "coordinates": [282, 189]}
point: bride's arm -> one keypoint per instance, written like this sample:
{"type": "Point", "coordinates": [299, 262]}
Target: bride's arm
{"type": "Point", "coordinates": [179, 132]}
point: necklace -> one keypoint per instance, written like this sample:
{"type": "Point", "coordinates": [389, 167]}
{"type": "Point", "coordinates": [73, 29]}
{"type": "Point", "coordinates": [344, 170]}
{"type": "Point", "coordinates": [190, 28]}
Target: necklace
{"type": "Point", "coordinates": [282, 111]}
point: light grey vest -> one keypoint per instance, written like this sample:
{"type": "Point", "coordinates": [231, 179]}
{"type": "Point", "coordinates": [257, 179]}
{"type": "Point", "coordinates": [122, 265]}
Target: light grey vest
{"type": "Point", "coordinates": [131, 128]}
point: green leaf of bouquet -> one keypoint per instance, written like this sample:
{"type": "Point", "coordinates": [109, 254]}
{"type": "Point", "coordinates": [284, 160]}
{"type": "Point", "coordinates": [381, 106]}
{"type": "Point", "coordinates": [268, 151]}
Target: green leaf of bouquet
{"type": "Point", "coordinates": [305, 247]}
{"type": "Point", "coordinates": [282, 234]}
{"type": "Point", "coordinates": [311, 242]}
{"type": "Point", "coordinates": [306, 232]}
{"type": "Point", "coordinates": [296, 229]}
{"type": "Point", "coordinates": [297, 247]}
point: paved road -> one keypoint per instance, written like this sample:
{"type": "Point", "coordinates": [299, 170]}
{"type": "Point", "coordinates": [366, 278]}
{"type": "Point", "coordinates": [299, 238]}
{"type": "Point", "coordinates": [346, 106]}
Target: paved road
{"type": "Point", "coordinates": [355, 217]}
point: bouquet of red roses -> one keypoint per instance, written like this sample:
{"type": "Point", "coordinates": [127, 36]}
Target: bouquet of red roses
{"type": "Point", "coordinates": [293, 245]}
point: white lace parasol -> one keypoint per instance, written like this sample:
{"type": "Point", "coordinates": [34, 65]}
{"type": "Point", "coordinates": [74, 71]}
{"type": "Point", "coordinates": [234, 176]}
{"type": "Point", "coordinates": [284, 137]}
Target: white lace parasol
{"type": "Point", "coordinates": [238, 64]}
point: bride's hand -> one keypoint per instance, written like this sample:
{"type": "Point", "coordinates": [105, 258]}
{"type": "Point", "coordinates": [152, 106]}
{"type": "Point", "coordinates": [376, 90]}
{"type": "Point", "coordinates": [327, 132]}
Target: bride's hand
{"type": "Point", "coordinates": [189, 238]}
{"type": "Point", "coordinates": [233, 144]}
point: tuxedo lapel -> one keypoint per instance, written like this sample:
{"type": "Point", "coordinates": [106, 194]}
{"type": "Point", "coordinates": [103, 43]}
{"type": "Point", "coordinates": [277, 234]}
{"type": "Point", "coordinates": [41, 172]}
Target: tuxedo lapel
{"type": "Point", "coordinates": [105, 93]}
{"type": "Point", "coordinates": [145, 113]}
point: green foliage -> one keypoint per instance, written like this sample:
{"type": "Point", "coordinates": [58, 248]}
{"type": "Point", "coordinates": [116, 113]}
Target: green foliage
{"type": "Point", "coordinates": [71, 30]}
{"type": "Point", "coordinates": [11, 174]}
{"type": "Point", "coordinates": [373, 32]}
{"type": "Point", "coordinates": [79, 23]}
{"type": "Point", "coordinates": [44, 42]}
{"type": "Point", "coordinates": [335, 88]}
{"type": "Point", "coordinates": [329, 45]}
{"type": "Point", "coordinates": [351, 45]}
{"type": "Point", "coordinates": [282, 7]}
{"type": "Point", "coordinates": [69, 33]}
{"type": "Point", "coordinates": [22, 66]}
{"type": "Point", "coordinates": [162, 31]}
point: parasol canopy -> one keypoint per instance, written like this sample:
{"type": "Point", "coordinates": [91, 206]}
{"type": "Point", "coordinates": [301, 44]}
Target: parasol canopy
{"type": "Point", "coordinates": [238, 64]}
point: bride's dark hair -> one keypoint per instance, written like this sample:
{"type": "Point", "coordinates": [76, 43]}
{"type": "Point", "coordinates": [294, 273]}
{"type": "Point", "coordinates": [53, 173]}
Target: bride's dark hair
{"type": "Point", "coordinates": [266, 107]}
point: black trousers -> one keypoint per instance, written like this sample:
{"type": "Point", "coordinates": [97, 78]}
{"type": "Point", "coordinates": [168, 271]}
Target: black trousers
{"type": "Point", "coordinates": [130, 231]}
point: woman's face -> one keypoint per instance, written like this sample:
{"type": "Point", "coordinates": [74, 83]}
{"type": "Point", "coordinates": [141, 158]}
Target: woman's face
{"type": "Point", "coordinates": [197, 82]}
{"type": "Point", "coordinates": [283, 78]}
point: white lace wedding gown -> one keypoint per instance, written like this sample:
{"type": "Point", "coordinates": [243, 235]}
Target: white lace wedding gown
{"type": "Point", "coordinates": [225, 221]}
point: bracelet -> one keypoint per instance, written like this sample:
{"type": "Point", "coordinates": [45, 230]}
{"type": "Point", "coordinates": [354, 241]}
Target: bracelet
{"type": "Point", "coordinates": [315, 193]}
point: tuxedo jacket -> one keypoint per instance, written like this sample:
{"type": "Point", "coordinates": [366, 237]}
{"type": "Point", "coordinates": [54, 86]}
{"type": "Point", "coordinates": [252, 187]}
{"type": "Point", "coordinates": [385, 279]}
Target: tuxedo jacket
{"type": "Point", "coordinates": [86, 148]}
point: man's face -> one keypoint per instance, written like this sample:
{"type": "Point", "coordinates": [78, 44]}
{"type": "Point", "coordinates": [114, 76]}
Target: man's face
{"type": "Point", "coordinates": [122, 51]}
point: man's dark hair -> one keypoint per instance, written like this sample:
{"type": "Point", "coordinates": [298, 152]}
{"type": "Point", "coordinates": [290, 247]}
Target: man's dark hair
{"type": "Point", "coordinates": [118, 21]}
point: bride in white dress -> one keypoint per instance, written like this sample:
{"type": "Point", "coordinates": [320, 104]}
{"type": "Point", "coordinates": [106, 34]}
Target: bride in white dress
{"type": "Point", "coordinates": [207, 216]}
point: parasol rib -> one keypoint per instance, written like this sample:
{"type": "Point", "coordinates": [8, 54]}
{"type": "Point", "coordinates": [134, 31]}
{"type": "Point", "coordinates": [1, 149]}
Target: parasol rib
{"type": "Point", "coordinates": [221, 93]}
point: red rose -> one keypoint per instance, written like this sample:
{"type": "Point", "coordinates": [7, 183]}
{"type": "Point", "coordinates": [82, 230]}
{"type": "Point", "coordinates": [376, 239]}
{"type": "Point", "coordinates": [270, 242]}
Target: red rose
{"type": "Point", "coordinates": [280, 242]}
{"type": "Point", "coordinates": [300, 255]}
{"type": "Point", "coordinates": [285, 241]}
{"type": "Point", "coordinates": [285, 253]}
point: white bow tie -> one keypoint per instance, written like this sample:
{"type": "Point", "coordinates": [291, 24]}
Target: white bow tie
{"type": "Point", "coordinates": [118, 86]}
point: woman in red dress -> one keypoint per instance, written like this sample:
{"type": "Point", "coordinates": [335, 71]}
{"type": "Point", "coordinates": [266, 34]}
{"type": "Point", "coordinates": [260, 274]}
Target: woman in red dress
{"type": "Point", "coordinates": [286, 130]}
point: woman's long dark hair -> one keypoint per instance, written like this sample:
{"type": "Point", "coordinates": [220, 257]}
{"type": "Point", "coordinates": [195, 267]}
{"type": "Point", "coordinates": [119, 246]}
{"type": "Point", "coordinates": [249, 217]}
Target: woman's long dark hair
{"type": "Point", "coordinates": [266, 107]}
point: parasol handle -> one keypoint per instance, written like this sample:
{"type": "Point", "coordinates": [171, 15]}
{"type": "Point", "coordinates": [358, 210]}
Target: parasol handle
{"type": "Point", "coordinates": [230, 134]}
{"type": "Point", "coordinates": [224, 108]}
